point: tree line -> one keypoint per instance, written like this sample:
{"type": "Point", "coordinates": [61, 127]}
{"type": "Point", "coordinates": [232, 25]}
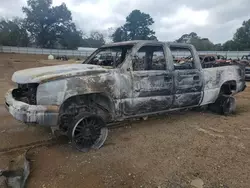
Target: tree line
{"type": "Point", "coordinates": [48, 26]}
{"type": "Point", "coordinates": [240, 41]}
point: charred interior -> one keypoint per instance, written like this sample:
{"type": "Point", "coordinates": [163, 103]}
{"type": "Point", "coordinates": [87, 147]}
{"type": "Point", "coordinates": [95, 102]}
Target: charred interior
{"type": "Point", "coordinates": [26, 93]}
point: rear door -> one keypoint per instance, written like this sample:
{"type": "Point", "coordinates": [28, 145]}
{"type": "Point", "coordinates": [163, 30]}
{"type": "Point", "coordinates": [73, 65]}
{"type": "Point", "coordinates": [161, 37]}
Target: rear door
{"type": "Point", "coordinates": [187, 78]}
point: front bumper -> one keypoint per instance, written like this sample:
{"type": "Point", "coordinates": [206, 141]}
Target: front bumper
{"type": "Point", "coordinates": [34, 114]}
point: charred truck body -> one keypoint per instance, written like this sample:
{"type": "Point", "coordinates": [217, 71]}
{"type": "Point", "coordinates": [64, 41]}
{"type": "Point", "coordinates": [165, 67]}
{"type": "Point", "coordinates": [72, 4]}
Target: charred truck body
{"type": "Point", "coordinates": [138, 78]}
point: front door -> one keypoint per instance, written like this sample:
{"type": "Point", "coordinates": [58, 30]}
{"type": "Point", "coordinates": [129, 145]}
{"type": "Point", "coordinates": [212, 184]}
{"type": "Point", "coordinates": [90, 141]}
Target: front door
{"type": "Point", "coordinates": [152, 85]}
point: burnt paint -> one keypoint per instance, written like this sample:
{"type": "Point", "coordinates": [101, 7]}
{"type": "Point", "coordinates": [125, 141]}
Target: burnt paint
{"type": "Point", "coordinates": [214, 78]}
{"type": "Point", "coordinates": [187, 99]}
{"type": "Point", "coordinates": [146, 105]}
{"type": "Point", "coordinates": [152, 91]}
{"type": "Point", "coordinates": [188, 88]}
{"type": "Point", "coordinates": [160, 92]}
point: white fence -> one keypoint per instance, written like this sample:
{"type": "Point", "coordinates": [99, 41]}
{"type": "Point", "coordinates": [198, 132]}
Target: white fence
{"type": "Point", "coordinates": [228, 54]}
{"type": "Point", "coordinates": [87, 51]}
{"type": "Point", "coordinates": [56, 52]}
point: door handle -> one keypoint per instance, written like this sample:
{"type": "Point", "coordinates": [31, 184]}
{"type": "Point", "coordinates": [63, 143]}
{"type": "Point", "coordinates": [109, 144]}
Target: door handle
{"type": "Point", "coordinates": [196, 78]}
{"type": "Point", "coordinates": [137, 90]}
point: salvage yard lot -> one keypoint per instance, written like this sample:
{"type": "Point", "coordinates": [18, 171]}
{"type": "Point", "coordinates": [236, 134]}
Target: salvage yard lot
{"type": "Point", "coordinates": [165, 151]}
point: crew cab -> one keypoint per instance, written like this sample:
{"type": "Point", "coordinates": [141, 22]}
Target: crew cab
{"type": "Point", "coordinates": [140, 79]}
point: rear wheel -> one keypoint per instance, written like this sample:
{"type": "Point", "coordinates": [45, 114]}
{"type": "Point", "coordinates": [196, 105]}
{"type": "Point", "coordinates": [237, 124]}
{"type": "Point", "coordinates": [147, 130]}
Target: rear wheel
{"type": "Point", "coordinates": [87, 131]}
{"type": "Point", "coordinates": [225, 105]}
{"type": "Point", "coordinates": [228, 106]}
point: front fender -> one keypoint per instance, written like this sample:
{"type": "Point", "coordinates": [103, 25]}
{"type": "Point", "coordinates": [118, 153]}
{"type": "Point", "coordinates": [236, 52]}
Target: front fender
{"type": "Point", "coordinates": [55, 92]}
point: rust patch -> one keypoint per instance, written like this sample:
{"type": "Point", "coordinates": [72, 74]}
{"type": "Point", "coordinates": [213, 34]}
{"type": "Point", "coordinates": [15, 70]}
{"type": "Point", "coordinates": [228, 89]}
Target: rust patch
{"type": "Point", "coordinates": [51, 108]}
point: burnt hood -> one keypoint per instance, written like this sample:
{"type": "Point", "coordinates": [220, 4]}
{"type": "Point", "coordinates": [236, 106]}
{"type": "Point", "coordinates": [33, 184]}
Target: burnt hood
{"type": "Point", "coordinates": [39, 74]}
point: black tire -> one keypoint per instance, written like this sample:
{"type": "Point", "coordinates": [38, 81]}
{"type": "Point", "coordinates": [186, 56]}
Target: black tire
{"type": "Point", "coordinates": [224, 105]}
{"type": "Point", "coordinates": [87, 131]}
{"type": "Point", "coordinates": [229, 106]}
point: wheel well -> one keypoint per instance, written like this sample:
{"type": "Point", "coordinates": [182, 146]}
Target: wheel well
{"type": "Point", "coordinates": [228, 87]}
{"type": "Point", "coordinates": [97, 103]}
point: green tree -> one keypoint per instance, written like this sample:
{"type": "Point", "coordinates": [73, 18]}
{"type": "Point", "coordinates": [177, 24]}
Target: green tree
{"type": "Point", "coordinates": [50, 26]}
{"type": "Point", "coordinates": [242, 36]}
{"type": "Point", "coordinates": [95, 40]}
{"type": "Point", "coordinates": [241, 39]}
{"type": "Point", "coordinates": [97, 36]}
{"type": "Point", "coordinates": [70, 39]}
{"type": "Point", "coordinates": [119, 35]}
{"type": "Point", "coordinates": [218, 47]}
{"type": "Point", "coordinates": [230, 45]}
{"type": "Point", "coordinates": [13, 33]}
{"type": "Point", "coordinates": [137, 27]}
{"type": "Point", "coordinates": [201, 44]}
{"type": "Point", "coordinates": [186, 38]}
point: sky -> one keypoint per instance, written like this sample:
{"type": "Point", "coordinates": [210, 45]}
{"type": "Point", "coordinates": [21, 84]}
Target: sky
{"type": "Point", "coordinates": [213, 19]}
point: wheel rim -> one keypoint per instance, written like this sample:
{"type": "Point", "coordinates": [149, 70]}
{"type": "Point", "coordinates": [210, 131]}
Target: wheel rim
{"type": "Point", "coordinates": [89, 132]}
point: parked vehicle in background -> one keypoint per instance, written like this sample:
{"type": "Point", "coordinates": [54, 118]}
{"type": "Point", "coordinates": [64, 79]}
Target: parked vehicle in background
{"type": "Point", "coordinates": [213, 60]}
{"type": "Point", "coordinates": [245, 60]}
{"type": "Point", "coordinates": [140, 79]}
{"type": "Point", "coordinates": [207, 61]}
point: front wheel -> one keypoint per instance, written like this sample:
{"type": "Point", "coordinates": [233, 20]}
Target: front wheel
{"type": "Point", "coordinates": [87, 131]}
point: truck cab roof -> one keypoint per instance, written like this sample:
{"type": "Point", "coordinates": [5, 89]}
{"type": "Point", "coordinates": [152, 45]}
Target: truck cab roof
{"type": "Point", "coordinates": [133, 42]}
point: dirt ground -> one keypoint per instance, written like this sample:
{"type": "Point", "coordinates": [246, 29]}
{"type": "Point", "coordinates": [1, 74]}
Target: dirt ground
{"type": "Point", "coordinates": [173, 151]}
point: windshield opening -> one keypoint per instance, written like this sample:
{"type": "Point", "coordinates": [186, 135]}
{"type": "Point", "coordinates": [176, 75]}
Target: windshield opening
{"type": "Point", "coordinates": [110, 57]}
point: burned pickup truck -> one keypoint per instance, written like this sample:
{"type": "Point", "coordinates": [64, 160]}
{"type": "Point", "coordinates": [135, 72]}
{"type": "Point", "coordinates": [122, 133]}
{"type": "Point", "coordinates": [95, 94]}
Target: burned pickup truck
{"type": "Point", "coordinates": [138, 79]}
